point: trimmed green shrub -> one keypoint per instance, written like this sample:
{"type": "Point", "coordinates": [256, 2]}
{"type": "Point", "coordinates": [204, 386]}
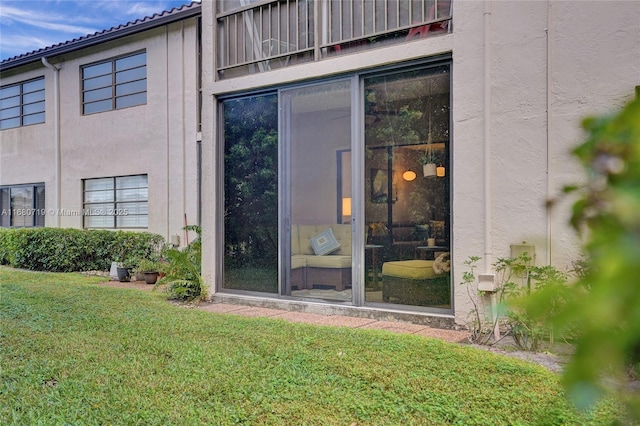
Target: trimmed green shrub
{"type": "Point", "coordinates": [67, 250]}
{"type": "Point", "coordinates": [6, 244]}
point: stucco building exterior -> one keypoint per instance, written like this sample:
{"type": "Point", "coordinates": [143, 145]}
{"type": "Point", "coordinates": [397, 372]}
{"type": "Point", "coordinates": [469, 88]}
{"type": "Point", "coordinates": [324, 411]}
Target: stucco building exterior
{"type": "Point", "coordinates": [114, 139]}
{"type": "Point", "coordinates": [510, 81]}
{"type": "Point", "coordinates": [343, 157]}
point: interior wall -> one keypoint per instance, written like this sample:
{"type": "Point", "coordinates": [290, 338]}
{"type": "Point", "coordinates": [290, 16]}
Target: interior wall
{"type": "Point", "coordinates": [314, 171]}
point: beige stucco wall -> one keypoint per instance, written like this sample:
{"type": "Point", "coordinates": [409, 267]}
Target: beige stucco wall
{"type": "Point", "coordinates": [549, 64]}
{"type": "Point", "coordinates": [157, 139]}
{"type": "Point", "coordinates": [26, 153]}
{"type": "Point", "coordinates": [588, 64]}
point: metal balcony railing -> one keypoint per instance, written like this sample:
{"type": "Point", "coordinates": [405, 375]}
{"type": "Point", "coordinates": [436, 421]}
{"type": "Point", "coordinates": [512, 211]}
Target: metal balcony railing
{"type": "Point", "coordinates": [256, 36]}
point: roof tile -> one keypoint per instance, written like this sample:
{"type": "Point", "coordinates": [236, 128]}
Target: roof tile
{"type": "Point", "coordinates": [130, 27]}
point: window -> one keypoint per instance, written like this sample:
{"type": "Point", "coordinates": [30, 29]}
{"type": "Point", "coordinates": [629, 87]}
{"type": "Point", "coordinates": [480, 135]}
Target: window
{"type": "Point", "coordinates": [116, 202]}
{"type": "Point", "coordinates": [22, 104]}
{"type": "Point", "coordinates": [22, 205]}
{"type": "Point", "coordinates": [406, 135]}
{"type": "Point", "coordinates": [251, 193]}
{"type": "Point", "coordinates": [114, 84]}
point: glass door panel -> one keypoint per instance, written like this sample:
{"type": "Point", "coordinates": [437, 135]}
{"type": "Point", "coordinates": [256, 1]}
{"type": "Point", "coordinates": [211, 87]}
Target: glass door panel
{"type": "Point", "coordinates": [251, 193]}
{"type": "Point", "coordinates": [316, 126]}
{"type": "Point", "coordinates": [406, 177]}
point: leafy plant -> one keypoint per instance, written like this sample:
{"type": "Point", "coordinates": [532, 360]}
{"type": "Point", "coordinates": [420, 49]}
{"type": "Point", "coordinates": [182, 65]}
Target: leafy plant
{"type": "Point", "coordinates": [429, 157]}
{"type": "Point", "coordinates": [515, 278]}
{"type": "Point", "coordinates": [479, 325]}
{"type": "Point", "coordinates": [604, 305]}
{"type": "Point", "coordinates": [528, 331]}
{"type": "Point", "coordinates": [183, 270]}
{"type": "Point", "coordinates": [130, 262]}
{"type": "Point", "coordinates": [148, 265]}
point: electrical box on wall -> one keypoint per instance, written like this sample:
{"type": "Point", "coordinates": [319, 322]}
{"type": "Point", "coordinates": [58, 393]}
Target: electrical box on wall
{"type": "Point", "coordinates": [486, 282]}
{"type": "Point", "coordinates": [518, 249]}
{"type": "Point", "coordinates": [175, 240]}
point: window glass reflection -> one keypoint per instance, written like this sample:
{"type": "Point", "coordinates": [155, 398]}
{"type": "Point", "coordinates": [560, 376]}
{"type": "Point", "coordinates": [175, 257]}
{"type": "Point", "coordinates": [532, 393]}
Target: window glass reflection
{"type": "Point", "coordinates": [251, 194]}
{"type": "Point", "coordinates": [407, 207]}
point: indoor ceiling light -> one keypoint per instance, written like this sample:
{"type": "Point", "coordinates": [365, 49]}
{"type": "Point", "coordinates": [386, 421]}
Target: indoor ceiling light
{"type": "Point", "coordinates": [409, 175]}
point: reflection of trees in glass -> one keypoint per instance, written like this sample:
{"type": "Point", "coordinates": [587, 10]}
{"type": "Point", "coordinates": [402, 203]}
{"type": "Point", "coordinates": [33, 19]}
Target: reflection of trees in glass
{"type": "Point", "coordinates": [405, 108]}
{"type": "Point", "coordinates": [404, 112]}
{"type": "Point", "coordinates": [251, 180]}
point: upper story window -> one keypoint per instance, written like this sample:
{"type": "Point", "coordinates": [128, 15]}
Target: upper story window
{"type": "Point", "coordinates": [256, 36]}
{"type": "Point", "coordinates": [22, 205]}
{"type": "Point", "coordinates": [114, 84]}
{"type": "Point", "coordinates": [22, 104]}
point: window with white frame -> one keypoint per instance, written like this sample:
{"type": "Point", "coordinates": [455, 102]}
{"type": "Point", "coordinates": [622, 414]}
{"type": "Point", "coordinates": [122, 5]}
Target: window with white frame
{"type": "Point", "coordinates": [22, 205]}
{"type": "Point", "coordinates": [22, 104]}
{"type": "Point", "coordinates": [114, 84]}
{"type": "Point", "coordinates": [116, 202]}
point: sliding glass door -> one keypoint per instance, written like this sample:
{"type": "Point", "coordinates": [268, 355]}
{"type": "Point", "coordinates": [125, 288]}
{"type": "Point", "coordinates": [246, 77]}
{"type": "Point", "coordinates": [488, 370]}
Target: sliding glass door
{"type": "Point", "coordinates": [251, 193]}
{"type": "Point", "coordinates": [406, 177]}
{"type": "Point", "coordinates": [310, 167]}
{"type": "Point", "coordinates": [316, 126]}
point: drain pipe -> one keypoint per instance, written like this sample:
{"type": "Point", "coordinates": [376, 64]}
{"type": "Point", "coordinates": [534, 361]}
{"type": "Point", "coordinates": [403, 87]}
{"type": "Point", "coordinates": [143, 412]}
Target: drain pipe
{"type": "Point", "coordinates": [549, 95]}
{"type": "Point", "coordinates": [487, 137]}
{"type": "Point", "coordinates": [488, 242]}
{"type": "Point", "coordinates": [56, 136]}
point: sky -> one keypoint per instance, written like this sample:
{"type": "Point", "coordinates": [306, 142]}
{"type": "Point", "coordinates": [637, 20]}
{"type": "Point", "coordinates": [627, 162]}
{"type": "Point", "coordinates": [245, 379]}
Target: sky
{"type": "Point", "coordinates": [28, 25]}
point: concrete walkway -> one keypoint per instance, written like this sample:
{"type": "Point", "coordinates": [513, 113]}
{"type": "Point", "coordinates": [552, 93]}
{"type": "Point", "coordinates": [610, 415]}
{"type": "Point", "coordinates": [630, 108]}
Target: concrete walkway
{"type": "Point", "coordinates": [336, 321]}
{"type": "Point", "coordinates": [318, 319]}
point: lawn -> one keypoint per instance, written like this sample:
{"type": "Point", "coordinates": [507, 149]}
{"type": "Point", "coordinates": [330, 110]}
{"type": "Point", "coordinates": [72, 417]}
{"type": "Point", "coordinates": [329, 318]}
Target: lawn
{"type": "Point", "coordinates": [73, 352]}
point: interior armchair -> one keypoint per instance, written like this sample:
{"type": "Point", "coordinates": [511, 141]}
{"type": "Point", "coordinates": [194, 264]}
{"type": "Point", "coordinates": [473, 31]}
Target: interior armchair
{"type": "Point", "coordinates": [321, 257]}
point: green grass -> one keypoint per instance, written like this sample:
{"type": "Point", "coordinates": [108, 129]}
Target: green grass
{"type": "Point", "coordinates": [73, 352]}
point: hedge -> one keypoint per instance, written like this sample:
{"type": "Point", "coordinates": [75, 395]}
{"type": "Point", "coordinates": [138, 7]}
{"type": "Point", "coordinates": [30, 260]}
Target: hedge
{"type": "Point", "coordinates": [68, 250]}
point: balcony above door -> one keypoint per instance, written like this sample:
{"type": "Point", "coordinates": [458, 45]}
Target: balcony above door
{"type": "Point", "coordinates": [259, 36]}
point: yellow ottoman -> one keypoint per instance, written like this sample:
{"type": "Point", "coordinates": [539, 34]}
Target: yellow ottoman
{"type": "Point", "coordinates": [414, 282]}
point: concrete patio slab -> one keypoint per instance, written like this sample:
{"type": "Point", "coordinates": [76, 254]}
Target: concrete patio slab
{"type": "Point", "coordinates": [342, 321]}
{"type": "Point", "coordinates": [222, 308]}
{"type": "Point", "coordinates": [303, 317]}
{"type": "Point", "coordinates": [252, 311]}
{"type": "Point", "coordinates": [396, 327]}
{"type": "Point", "coordinates": [454, 336]}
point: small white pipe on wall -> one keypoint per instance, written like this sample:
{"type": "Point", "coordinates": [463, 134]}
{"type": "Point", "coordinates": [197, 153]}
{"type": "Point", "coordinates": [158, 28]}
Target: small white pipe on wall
{"type": "Point", "coordinates": [488, 218]}
{"type": "Point", "coordinates": [549, 94]}
{"type": "Point", "coordinates": [56, 136]}
{"type": "Point", "coordinates": [488, 255]}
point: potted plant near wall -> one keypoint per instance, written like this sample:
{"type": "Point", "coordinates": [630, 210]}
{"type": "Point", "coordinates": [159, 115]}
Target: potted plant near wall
{"type": "Point", "coordinates": [150, 269]}
{"type": "Point", "coordinates": [136, 273]}
{"type": "Point", "coordinates": [125, 269]}
{"type": "Point", "coordinates": [429, 160]}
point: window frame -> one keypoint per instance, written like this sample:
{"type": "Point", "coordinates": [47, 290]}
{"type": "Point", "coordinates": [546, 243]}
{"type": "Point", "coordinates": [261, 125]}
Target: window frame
{"type": "Point", "coordinates": [22, 105]}
{"type": "Point", "coordinates": [114, 85]}
{"type": "Point", "coordinates": [358, 185]}
{"type": "Point", "coordinates": [114, 208]}
{"type": "Point", "coordinates": [36, 211]}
